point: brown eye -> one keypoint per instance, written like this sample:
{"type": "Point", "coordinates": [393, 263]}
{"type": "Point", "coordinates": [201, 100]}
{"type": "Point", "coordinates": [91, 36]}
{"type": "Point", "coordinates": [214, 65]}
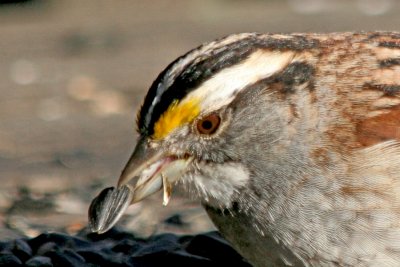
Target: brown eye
{"type": "Point", "coordinates": [208, 124]}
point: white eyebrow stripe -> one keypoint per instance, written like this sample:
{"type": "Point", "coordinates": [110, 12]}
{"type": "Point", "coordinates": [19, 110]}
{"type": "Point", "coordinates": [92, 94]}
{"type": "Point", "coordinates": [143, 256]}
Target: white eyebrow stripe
{"type": "Point", "coordinates": [221, 89]}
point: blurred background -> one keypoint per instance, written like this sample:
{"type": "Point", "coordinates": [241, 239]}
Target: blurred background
{"type": "Point", "coordinates": [73, 72]}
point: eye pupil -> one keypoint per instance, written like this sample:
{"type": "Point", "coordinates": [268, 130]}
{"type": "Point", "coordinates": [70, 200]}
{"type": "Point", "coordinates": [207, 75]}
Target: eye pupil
{"type": "Point", "coordinates": [208, 124]}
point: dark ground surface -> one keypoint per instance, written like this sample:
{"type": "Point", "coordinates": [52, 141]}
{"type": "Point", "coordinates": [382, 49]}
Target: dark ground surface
{"type": "Point", "coordinates": [72, 75]}
{"type": "Point", "coordinates": [116, 248]}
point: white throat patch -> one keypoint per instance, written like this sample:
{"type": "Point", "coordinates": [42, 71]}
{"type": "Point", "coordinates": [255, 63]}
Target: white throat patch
{"type": "Point", "coordinates": [218, 184]}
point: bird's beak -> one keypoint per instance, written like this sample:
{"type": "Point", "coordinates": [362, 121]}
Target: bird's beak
{"type": "Point", "coordinates": [147, 171]}
{"type": "Point", "coordinates": [150, 169]}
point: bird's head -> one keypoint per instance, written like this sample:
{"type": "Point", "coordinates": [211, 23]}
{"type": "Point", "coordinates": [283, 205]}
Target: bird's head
{"type": "Point", "coordinates": [206, 118]}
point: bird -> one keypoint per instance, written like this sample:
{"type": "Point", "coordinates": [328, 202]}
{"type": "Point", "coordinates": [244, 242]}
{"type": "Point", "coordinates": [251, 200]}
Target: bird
{"type": "Point", "coordinates": [291, 142]}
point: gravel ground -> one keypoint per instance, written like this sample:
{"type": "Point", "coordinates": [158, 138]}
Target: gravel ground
{"type": "Point", "coordinates": [117, 248]}
{"type": "Point", "coordinates": [72, 76]}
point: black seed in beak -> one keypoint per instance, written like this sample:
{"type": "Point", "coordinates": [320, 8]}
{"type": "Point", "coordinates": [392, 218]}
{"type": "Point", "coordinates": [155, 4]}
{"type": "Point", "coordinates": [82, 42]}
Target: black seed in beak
{"type": "Point", "coordinates": [108, 207]}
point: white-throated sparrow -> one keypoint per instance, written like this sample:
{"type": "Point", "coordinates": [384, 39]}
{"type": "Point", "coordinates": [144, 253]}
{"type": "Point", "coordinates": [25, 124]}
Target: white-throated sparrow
{"type": "Point", "coordinates": [291, 142]}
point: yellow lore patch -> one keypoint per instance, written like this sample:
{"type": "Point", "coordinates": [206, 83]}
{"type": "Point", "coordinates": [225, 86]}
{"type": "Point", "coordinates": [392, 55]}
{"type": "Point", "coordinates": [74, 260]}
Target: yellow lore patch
{"type": "Point", "coordinates": [177, 114]}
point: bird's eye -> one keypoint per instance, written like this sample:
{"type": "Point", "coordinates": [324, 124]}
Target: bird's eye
{"type": "Point", "coordinates": [208, 124]}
